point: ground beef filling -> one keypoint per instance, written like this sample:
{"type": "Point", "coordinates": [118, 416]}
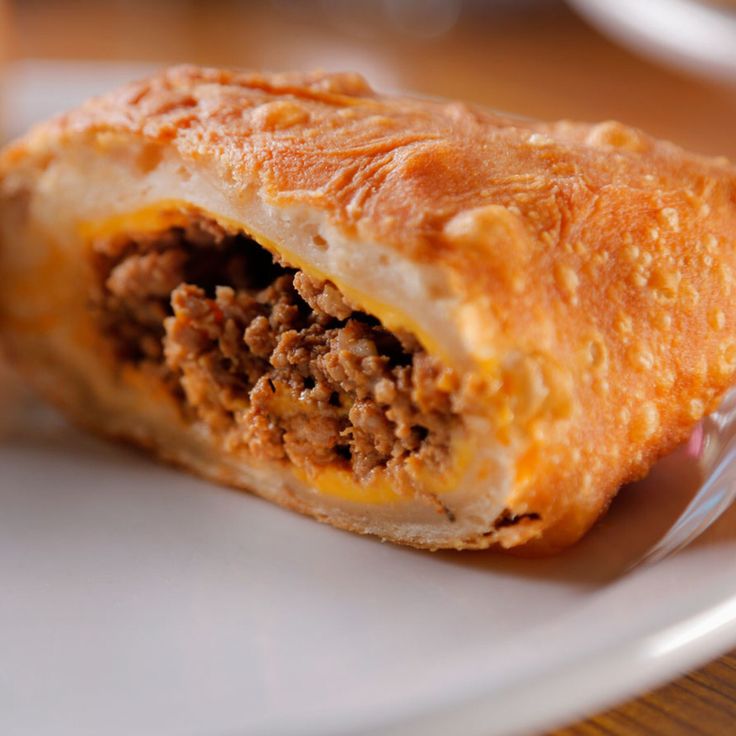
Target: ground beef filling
{"type": "Point", "coordinates": [281, 365]}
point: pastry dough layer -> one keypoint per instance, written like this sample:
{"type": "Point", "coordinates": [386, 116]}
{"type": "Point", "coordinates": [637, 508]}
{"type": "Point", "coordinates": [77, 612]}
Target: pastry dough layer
{"type": "Point", "coordinates": [579, 279]}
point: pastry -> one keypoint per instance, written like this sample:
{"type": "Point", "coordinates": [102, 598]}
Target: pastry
{"type": "Point", "coordinates": [409, 318]}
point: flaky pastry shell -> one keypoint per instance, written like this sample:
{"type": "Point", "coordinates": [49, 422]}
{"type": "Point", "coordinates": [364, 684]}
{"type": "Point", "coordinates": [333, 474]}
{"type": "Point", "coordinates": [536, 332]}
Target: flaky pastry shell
{"type": "Point", "coordinates": [570, 286]}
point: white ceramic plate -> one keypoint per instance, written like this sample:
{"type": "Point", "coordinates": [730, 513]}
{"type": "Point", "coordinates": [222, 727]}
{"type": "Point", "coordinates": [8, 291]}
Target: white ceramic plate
{"type": "Point", "coordinates": [137, 600]}
{"type": "Point", "coordinates": [694, 35]}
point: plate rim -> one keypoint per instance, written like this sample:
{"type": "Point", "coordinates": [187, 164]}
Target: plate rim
{"type": "Point", "coordinates": [643, 662]}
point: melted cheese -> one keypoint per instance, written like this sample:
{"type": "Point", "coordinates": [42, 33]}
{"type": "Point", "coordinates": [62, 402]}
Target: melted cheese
{"type": "Point", "coordinates": [175, 213]}
{"type": "Point", "coordinates": [380, 488]}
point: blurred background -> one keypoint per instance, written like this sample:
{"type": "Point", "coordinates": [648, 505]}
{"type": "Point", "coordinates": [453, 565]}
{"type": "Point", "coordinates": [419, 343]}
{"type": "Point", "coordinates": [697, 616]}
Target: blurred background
{"type": "Point", "coordinates": [668, 66]}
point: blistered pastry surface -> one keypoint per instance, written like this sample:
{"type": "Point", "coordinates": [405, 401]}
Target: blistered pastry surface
{"type": "Point", "coordinates": [596, 265]}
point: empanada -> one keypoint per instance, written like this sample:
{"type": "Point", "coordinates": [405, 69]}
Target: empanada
{"type": "Point", "coordinates": [405, 317]}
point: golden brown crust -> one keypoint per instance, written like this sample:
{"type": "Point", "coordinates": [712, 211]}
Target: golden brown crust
{"type": "Point", "coordinates": [596, 264]}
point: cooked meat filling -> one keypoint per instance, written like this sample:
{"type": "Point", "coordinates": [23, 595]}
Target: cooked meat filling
{"type": "Point", "coordinates": [278, 363]}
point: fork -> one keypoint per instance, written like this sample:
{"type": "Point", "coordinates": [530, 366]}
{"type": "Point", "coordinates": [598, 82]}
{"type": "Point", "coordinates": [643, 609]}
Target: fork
{"type": "Point", "coordinates": [713, 443]}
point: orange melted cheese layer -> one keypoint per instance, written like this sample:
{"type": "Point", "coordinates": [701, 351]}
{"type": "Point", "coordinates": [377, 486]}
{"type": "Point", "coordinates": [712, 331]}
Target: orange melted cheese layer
{"type": "Point", "coordinates": [175, 213]}
{"type": "Point", "coordinates": [379, 488]}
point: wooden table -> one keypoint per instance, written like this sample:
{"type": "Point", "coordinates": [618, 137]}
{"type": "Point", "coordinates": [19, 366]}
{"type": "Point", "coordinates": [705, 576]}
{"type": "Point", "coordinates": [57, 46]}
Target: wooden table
{"type": "Point", "coordinates": [537, 59]}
